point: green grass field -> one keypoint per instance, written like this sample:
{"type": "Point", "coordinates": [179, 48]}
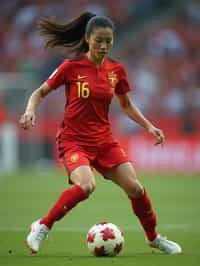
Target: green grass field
{"type": "Point", "coordinates": [28, 195]}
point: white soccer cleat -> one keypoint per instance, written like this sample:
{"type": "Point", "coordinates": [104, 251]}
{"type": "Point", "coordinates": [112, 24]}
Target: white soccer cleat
{"type": "Point", "coordinates": [38, 233]}
{"type": "Point", "coordinates": [165, 245]}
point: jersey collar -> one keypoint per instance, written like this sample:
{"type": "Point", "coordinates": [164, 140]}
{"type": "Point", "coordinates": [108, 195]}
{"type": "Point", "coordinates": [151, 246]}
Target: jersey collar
{"type": "Point", "coordinates": [93, 64]}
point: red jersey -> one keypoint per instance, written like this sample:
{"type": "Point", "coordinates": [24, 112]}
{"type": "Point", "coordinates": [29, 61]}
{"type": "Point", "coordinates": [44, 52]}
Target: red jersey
{"type": "Point", "coordinates": [89, 90]}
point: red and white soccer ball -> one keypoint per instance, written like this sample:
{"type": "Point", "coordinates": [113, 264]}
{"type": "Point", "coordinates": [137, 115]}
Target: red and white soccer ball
{"type": "Point", "coordinates": [105, 239]}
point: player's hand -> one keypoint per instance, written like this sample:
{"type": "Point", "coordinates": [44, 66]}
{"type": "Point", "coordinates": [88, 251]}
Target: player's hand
{"type": "Point", "coordinates": [158, 133]}
{"type": "Point", "coordinates": [27, 120]}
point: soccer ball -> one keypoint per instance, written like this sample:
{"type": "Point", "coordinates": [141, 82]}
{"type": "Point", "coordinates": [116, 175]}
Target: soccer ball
{"type": "Point", "coordinates": [105, 239]}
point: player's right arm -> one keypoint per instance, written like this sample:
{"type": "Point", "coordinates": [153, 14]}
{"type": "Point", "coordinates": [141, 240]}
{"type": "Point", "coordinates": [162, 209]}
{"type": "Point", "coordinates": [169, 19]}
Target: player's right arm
{"type": "Point", "coordinates": [57, 78]}
{"type": "Point", "coordinates": [27, 120]}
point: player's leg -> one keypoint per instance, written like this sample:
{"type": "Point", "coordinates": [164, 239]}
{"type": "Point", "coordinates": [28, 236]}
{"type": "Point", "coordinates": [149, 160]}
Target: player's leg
{"type": "Point", "coordinates": [114, 163]}
{"type": "Point", "coordinates": [83, 180]}
{"type": "Point", "coordinates": [124, 175]}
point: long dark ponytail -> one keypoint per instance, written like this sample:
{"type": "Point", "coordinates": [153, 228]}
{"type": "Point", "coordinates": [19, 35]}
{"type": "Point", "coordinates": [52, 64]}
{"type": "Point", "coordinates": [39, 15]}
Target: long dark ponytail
{"type": "Point", "coordinates": [71, 35]}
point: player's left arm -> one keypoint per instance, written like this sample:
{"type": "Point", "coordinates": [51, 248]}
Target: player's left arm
{"type": "Point", "coordinates": [130, 109]}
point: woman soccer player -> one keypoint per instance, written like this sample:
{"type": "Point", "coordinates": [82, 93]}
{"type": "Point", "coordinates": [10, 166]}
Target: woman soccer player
{"type": "Point", "coordinates": [85, 140]}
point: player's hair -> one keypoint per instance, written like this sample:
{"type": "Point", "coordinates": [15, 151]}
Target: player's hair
{"type": "Point", "coordinates": [72, 34]}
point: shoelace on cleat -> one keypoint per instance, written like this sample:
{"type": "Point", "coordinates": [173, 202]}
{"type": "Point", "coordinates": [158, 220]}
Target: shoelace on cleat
{"type": "Point", "coordinates": [41, 235]}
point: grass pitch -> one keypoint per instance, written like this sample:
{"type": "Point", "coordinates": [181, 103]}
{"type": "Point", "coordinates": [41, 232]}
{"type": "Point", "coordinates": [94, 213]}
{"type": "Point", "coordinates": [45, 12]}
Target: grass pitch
{"type": "Point", "coordinates": [28, 194]}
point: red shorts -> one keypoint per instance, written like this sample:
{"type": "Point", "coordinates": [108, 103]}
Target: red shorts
{"type": "Point", "coordinates": [102, 157]}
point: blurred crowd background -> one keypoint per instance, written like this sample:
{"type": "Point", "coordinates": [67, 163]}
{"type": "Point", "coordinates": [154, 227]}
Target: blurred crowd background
{"type": "Point", "coordinates": [157, 40]}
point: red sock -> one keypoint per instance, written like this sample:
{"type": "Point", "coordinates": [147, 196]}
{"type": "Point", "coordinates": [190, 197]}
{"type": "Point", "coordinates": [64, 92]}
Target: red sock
{"type": "Point", "coordinates": [144, 211]}
{"type": "Point", "coordinates": [67, 200]}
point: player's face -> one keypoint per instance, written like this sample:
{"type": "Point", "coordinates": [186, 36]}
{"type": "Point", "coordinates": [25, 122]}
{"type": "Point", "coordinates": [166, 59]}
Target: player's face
{"type": "Point", "coordinates": [100, 42]}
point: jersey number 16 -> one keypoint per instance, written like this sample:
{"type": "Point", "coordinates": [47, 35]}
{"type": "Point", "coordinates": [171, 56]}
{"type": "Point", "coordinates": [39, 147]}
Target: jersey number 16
{"type": "Point", "coordinates": [83, 89]}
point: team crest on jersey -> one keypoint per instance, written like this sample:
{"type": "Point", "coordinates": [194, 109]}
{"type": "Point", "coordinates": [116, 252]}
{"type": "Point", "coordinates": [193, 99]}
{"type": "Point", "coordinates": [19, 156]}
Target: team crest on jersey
{"type": "Point", "coordinates": [112, 77]}
{"type": "Point", "coordinates": [74, 157]}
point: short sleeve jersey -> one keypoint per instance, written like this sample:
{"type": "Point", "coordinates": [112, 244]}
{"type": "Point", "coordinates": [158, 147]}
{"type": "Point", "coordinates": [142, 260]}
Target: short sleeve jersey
{"type": "Point", "coordinates": [89, 90]}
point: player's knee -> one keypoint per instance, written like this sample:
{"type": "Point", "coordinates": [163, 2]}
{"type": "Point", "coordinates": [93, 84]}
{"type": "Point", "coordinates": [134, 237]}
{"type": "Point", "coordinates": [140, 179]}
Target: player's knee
{"type": "Point", "coordinates": [88, 187]}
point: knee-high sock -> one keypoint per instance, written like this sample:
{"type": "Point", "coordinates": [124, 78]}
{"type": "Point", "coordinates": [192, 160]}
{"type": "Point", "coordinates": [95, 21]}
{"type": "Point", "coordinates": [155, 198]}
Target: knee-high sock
{"type": "Point", "coordinates": [67, 200]}
{"type": "Point", "coordinates": [143, 209]}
